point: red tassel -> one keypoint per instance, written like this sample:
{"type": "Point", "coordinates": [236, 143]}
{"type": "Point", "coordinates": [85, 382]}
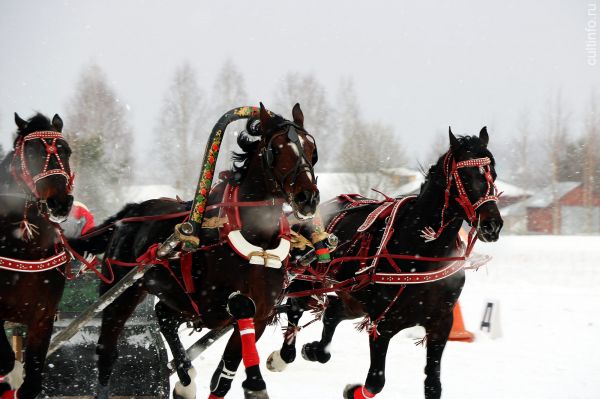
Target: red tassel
{"type": "Point", "coordinates": [248, 337]}
{"type": "Point", "coordinates": [213, 396]}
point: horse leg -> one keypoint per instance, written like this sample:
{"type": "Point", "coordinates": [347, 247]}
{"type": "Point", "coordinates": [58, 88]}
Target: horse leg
{"type": "Point", "coordinates": [7, 360]}
{"type": "Point", "coordinates": [38, 340]}
{"type": "Point", "coordinates": [437, 337]}
{"type": "Point", "coordinates": [222, 378]}
{"type": "Point", "coordinates": [278, 360]}
{"type": "Point", "coordinates": [243, 309]}
{"type": "Point", "coordinates": [318, 351]}
{"type": "Point", "coordinates": [169, 322]}
{"type": "Point", "coordinates": [376, 378]}
{"type": "Point", "coordinates": [113, 321]}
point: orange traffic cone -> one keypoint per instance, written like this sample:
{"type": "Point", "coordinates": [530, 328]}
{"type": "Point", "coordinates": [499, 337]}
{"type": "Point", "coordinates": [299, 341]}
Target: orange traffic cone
{"type": "Point", "coordinates": [458, 332]}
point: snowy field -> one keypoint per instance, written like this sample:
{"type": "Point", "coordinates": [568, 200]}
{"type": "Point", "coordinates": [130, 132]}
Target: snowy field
{"type": "Point", "coordinates": [548, 289]}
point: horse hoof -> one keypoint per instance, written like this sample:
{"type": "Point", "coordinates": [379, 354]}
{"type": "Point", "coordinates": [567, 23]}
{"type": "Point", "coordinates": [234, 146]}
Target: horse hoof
{"type": "Point", "coordinates": [248, 394]}
{"type": "Point", "coordinates": [15, 377]}
{"type": "Point", "coordinates": [275, 362]}
{"type": "Point", "coordinates": [314, 352]}
{"type": "Point", "coordinates": [181, 391]}
{"type": "Point", "coordinates": [103, 391]}
{"type": "Point", "coordinates": [349, 390]}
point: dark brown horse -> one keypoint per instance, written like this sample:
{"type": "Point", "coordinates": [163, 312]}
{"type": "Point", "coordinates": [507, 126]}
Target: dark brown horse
{"type": "Point", "coordinates": [228, 284]}
{"type": "Point", "coordinates": [394, 293]}
{"type": "Point", "coordinates": [36, 180]}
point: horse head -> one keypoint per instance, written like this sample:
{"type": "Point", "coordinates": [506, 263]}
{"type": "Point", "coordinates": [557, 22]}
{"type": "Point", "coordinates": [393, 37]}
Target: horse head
{"type": "Point", "coordinates": [470, 173]}
{"type": "Point", "coordinates": [40, 164]}
{"type": "Point", "coordinates": [288, 154]}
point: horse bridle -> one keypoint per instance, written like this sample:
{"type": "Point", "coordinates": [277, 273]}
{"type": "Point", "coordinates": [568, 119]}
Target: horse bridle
{"type": "Point", "coordinates": [451, 168]}
{"type": "Point", "coordinates": [451, 172]}
{"type": "Point", "coordinates": [51, 151]}
{"type": "Point", "coordinates": [303, 164]}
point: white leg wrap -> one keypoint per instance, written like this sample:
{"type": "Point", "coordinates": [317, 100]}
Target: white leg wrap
{"type": "Point", "coordinates": [15, 377]}
{"type": "Point", "coordinates": [188, 392]}
{"type": "Point", "coordinates": [275, 362]}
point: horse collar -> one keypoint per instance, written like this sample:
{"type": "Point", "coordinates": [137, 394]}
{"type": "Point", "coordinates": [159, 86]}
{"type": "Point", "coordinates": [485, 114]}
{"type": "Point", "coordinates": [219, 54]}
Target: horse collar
{"type": "Point", "coordinates": [255, 255]}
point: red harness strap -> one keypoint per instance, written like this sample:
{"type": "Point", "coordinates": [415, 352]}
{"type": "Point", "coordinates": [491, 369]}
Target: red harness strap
{"type": "Point", "coordinates": [19, 265]}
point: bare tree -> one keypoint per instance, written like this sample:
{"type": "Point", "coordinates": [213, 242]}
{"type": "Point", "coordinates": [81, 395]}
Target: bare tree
{"type": "Point", "coordinates": [181, 130]}
{"type": "Point", "coordinates": [367, 149]}
{"type": "Point", "coordinates": [312, 96]}
{"type": "Point", "coordinates": [521, 162]}
{"type": "Point", "coordinates": [556, 140]}
{"type": "Point", "coordinates": [100, 135]}
{"type": "Point", "coordinates": [591, 159]}
{"type": "Point", "coordinates": [229, 91]}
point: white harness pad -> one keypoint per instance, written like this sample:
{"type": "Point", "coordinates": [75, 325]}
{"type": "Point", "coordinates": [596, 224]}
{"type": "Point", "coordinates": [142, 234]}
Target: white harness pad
{"type": "Point", "coordinates": [257, 255]}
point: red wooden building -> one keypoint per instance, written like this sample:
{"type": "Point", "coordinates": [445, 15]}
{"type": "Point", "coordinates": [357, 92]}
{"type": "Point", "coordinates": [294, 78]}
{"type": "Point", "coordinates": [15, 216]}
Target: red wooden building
{"type": "Point", "coordinates": [575, 213]}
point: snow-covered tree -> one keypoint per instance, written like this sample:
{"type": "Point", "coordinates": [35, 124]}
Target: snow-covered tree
{"type": "Point", "coordinates": [229, 91]}
{"type": "Point", "coordinates": [98, 130]}
{"type": "Point", "coordinates": [182, 130]}
{"type": "Point", "coordinates": [306, 90]}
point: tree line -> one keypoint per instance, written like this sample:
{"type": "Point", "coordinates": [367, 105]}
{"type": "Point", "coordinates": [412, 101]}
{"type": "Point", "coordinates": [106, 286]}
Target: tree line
{"type": "Point", "coordinates": [101, 135]}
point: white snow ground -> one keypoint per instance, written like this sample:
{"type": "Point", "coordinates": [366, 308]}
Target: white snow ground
{"type": "Point", "coordinates": [548, 288]}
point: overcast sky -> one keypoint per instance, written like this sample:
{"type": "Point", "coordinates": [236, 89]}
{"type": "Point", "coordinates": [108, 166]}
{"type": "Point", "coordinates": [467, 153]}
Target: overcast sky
{"type": "Point", "coordinates": [420, 65]}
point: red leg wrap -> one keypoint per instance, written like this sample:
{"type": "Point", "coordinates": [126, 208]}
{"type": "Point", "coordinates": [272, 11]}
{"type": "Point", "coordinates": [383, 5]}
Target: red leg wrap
{"type": "Point", "coordinates": [11, 394]}
{"type": "Point", "coordinates": [363, 393]}
{"type": "Point", "coordinates": [213, 396]}
{"type": "Point", "coordinates": [249, 353]}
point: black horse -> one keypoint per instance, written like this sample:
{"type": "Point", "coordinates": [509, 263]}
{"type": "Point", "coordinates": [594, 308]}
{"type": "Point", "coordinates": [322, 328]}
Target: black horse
{"type": "Point", "coordinates": [35, 186]}
{"type": "Point", "coordinates": [466, 172]}
{"type": "Point", "coordinates": [276, 166]}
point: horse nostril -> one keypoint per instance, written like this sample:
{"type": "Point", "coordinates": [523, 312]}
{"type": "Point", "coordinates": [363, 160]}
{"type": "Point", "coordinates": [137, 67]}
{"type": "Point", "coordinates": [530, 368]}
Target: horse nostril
{"type": "Point", "coordinates": [316, 198]}
{"type": "Point", "coordinates": [301, 197]}
{"type": "Point", "coordinates": [491, 226]}
{"type": "Point", "coordinates": [51, 202]}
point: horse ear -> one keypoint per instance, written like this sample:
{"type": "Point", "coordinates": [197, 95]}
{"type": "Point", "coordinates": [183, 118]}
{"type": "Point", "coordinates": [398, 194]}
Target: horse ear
{"type": "Point", "coordinates": [453, 140]}
{"type": "Point", "coordinates": [264, 115]}
{"type": "Point", "coordinates": [21, 124]}
{"type": "Point", "coordinates": [298, 115]}
{"type": "Point", "coordinates": [57, 123]}
{"type": "Point", "coordinates": [483, 136]}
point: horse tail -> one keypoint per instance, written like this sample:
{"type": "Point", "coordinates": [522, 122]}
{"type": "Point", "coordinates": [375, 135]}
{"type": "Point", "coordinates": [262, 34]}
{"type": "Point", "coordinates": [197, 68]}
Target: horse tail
{"type": "Point", "coordinates": [97, 239]}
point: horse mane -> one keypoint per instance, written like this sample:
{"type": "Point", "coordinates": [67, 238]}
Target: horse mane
{"type": "Point", "coordinates": [436, 174]}
{"type": "Point", "coordinates": [249, 145]}
{"type": "Point", "coordinates": [36, 123]}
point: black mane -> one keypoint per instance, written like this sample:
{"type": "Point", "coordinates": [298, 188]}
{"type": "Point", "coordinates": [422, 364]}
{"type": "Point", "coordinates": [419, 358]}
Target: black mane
{"type": "Point", "coordinates": [468, 144]}
{"type": "Point", "coordinates": [36, 123]}
{"type": "Point", "coordinates": [249, 145]}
